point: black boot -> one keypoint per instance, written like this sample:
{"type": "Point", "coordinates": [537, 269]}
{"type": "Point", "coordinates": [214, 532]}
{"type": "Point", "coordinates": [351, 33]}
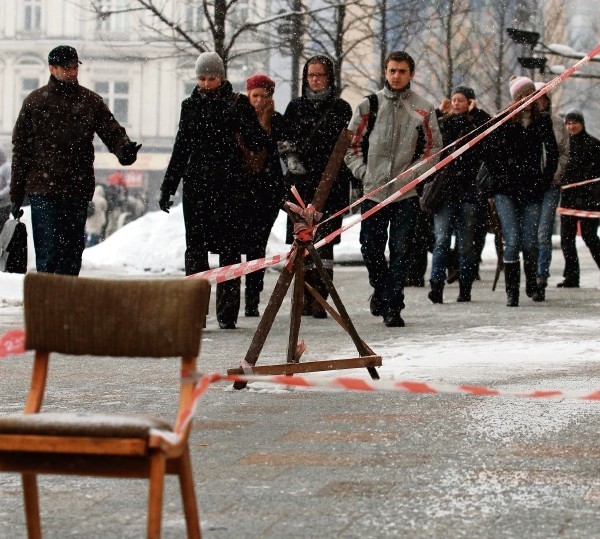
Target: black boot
{"type": "Point", "coordinates": [464, 291]}
{"type": "Point", "coordinates": [540, 293]}
{"type": "Point", "coordinates": [252, 299]}
{"type": "Point", "coordinates": [436, 295]}
{"type": "Point", "coordinates": [512, 277]}
{"type": "Point", "coordinates": [530, 279]}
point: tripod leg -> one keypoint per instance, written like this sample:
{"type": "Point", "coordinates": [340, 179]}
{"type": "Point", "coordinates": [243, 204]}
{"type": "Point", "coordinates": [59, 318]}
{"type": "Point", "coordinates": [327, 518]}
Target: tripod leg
{"type": "Point", "coordinates": [362, 348]}
{"type": "Point", "coordinates": [296, 313]}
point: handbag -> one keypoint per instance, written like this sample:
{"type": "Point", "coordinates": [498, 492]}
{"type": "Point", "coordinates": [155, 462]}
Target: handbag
{"type": "Point", "coordinates": [434, 193]}
{"type": "Point", "coordinates": [252, 162]}
{"type": "Point", "coordinates": [485, 182]}
{"type": "Point", "coordinates": [13, 247]}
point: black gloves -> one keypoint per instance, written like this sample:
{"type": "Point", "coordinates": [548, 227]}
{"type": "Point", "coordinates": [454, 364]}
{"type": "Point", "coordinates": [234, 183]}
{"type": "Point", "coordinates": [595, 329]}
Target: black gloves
{"type": "Point", "coordinates": [164, 201]}
{"type": "Point", "coordinates": [129, 153]}
{"type": "Point", "coordinates": [15, 209]}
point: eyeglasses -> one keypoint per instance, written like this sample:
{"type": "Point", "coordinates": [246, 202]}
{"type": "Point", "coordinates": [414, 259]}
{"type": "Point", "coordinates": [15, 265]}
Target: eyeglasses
{"type": "Point", "coordinates": [316, 75]}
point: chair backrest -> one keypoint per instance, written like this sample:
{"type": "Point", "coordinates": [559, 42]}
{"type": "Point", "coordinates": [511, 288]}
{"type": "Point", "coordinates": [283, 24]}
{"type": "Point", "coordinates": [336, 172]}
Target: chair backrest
{"type": "Point", "coordinates": [126, 318]}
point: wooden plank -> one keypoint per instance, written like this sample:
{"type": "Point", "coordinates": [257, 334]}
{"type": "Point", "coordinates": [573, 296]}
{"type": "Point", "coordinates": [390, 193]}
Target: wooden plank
{"type": "Point", "coordinates": [314, 366]}
{"type": "Point", "coordinates": [73, 445]}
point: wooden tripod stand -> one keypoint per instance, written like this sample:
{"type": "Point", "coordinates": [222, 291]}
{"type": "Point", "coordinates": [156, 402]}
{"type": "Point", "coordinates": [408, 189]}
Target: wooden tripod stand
{"type": "Point", "coordinates": [295, 272]}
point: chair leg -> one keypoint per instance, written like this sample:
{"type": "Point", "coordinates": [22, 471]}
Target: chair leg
{"type": "Point", "coordinates": [155, 499]}
{"type": "Point", "coordinates": [188, 496]}
{"type": "Point", "coordinates": [32, 505]}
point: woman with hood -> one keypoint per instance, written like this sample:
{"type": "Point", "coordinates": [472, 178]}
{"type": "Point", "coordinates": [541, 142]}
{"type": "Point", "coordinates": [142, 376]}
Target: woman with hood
{"type": "Point", "coordinates": [313, 123]}
{"type": "Point", "coordinates": [208, 157]}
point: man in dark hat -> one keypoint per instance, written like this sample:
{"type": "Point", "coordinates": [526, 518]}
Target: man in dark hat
{"type": "Point", "coordinates": [53, 160]}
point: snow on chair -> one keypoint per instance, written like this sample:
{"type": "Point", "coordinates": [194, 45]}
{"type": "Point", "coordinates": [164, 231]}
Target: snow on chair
{"type": "Point", "coordinates": [86, 318]}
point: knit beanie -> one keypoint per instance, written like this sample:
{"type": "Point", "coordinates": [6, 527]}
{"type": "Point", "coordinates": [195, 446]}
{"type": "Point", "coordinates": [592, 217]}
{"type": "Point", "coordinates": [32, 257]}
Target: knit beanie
{"type": "Point", "coordinates": [519, 85]}
{"type": "Point", "coordinates": [467, 91]}
{"type": "Point", "coordinates": [575, 116]}
{"type": "Point", "coordinates": [210, 64]}
{"type": "Point", "coordinates": [260, 81]}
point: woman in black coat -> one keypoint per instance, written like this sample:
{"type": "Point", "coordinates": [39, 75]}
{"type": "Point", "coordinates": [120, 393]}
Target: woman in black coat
{"type": "Point", "coordinates": [313, 124]}
{"type": "Point", "coordinates": [208, 157]}
{"type": "Point", "coordinates": [266, 186]}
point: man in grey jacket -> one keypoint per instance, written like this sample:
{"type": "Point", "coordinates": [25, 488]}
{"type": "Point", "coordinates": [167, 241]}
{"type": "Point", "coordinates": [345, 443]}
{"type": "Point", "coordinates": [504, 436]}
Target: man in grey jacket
{"type": "Point", "coordinates": [405, 133]}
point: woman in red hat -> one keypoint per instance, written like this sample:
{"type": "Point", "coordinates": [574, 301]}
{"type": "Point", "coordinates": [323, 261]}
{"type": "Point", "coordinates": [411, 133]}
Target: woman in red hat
{"type": "Point", "coordinates": [266, 185]}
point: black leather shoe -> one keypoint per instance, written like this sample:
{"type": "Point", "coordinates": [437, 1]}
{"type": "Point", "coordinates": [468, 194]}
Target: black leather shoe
{"type": "Point", "coordinates": [227, 325]}
{"type": "Point", "coordinates": [376, 304]}
{"type": "Point", "coordinates": [251, 312]}
{"type": "Point", "coordinates": [567, 284]}
{"type": "Point", "coordinates": [393, 321]}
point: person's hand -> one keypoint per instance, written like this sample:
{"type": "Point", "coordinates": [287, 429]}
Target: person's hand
{"type": "Point", "coordinates": [165, 201]}
{"type": "Point", "coordinates": [129, 153]}
{"type": "Point", "coordinates": [294, 165]}
{"type": "Point", "coordinates": [446, 106]}
{"type": "Point", "coordinates": [15, 209]}
{"type": "Point", "coordinates": [472, 104]}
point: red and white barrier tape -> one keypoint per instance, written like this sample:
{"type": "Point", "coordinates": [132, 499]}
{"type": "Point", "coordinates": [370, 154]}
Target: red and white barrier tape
{"type": "Point", "coordinates": [579, 213]}
{"type": "Point", "coordinates": [571, 185]}
{"type": "Point", "coordinates": [202, 381]}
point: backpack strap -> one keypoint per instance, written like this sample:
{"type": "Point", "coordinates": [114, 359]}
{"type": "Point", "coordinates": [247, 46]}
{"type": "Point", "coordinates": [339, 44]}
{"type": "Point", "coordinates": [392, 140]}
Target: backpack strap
{"type": "Point", "coordinates": [373, 108]}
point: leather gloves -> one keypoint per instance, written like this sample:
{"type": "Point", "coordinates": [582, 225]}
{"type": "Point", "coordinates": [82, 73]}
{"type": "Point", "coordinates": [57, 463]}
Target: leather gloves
{"type": "Point", "coordinates": [129, 153]}
{"type": "Point", "coordinates": [15, 209]}
{"type": "Point", "coordinates": [164, 202]}
{"type": "Point", "coordinates": [289, 152]}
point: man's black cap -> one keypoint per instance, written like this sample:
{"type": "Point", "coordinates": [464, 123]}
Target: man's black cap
{"type": "Point", "coordinates": [63, 56]}
{"type": "Point", "coordinates": [575, 116]}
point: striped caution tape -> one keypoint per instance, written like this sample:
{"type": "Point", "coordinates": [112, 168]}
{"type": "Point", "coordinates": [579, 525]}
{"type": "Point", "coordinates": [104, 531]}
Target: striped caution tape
{"type": "Point", "coordinates": [579, 213]}
{"type": "Point", "coordinates": [585, 182]}
{"type": "Point", "coordinates": [202, 382]}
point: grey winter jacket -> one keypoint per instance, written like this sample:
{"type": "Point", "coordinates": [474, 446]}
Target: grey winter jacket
{"type": "Point", "coordinates": [4, 179]}
{"type": "Point", "coordinates": [406, 131]}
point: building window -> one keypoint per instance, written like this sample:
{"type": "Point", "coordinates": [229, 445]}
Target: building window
{"type": "Point", "coordinates": [116, 96]}
{"type": "Point", "coordinates": [113, 16]}
{"type": "Point", "coordinates": [28, 85]}
{"type": "Point", "coordinates": [32, 15]}
{"type": "Point", "coordinates": [194, 15]}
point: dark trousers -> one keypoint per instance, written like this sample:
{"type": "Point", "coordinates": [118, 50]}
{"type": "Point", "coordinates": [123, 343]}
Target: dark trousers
{"type": "Point", "coordinates": [388, 279]}
{"type": "Point", "coordinates": [58, 233]}
{"type": "Point", "coordinates": [568, 234]}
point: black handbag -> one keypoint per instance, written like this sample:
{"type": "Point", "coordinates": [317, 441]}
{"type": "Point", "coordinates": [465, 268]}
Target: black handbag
{"type": "Point", "coordinates": [485, 182]}
{"type": "Point", "coordinates": [13, 247]}
{"type": "Point", "coordinates": [434, 193]}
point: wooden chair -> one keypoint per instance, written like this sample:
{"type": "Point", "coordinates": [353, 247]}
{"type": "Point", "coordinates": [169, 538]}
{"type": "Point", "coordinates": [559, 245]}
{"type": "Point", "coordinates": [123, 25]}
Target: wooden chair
{"type": "Point", "coordinates": [94, 317]}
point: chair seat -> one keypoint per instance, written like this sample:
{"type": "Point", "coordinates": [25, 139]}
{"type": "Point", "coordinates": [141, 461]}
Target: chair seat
{"type": "Point", "coordinates": [82, 424]}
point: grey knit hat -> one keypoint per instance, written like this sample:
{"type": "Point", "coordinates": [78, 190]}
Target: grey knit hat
{"type": "Point", "coordinates": [210, 64]}
{"type": "Point", "coordinates": [467, 91]}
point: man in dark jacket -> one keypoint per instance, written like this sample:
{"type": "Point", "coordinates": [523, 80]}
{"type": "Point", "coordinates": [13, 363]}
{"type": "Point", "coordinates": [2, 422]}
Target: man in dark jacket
{"type": "Point", "coordinates": [583, 164]}
{"type": "Point", "coordinates": [53, 161]}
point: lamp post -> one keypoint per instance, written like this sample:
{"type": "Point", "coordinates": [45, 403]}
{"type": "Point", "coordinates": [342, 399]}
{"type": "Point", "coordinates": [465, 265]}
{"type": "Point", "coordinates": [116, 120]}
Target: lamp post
{"type": "Point", "coordinates": [539, 49]}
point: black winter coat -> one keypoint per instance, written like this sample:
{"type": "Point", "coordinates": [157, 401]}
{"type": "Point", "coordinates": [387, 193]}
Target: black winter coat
{"type": "Point", "coordinates": [207, 157]}
{"type": "Point", "coordinates": [461, 172]}
{"type": "Point", "coordinates": [300, 117]}
{"type": "Point", "coordinates": [515, 156]}
{"type": "Point", "coordinates": [583, 164]}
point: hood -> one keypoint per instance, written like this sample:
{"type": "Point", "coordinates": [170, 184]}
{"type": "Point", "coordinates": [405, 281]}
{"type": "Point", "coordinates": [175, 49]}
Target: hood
{"type": "Point", "coordinates": [328, 63]}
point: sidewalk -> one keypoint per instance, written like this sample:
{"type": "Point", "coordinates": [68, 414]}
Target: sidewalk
{"type": "Point", "coordinates": [279, 463]}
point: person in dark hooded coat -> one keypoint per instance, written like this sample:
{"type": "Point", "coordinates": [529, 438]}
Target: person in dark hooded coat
{"type": "Point", "coordinates": [307, 151]}
{"type": "Point", "coordinates": [207, 155]}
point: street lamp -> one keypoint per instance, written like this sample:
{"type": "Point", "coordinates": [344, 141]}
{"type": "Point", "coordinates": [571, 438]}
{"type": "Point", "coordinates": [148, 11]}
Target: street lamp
{"type": "Point", "coordinates": [538, 48]}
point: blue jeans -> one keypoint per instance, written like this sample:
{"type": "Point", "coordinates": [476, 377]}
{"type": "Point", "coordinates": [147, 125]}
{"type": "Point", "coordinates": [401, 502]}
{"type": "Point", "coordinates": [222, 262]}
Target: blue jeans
{"type": "Point", "coordinates": [460, 217]}
{"type": "Point", "coordinates": [58, 233]}
{"type": "Point", "coordinates": [545, 228]}
{"type": "Point", "coordinates": [519, 226]}
{"type": "Point", "coordinates": [388, 279]}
